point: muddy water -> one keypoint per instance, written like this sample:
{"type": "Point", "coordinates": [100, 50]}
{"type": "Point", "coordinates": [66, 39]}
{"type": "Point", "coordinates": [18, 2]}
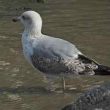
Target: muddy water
{"type": "Point", "coordinates": [85, 23]}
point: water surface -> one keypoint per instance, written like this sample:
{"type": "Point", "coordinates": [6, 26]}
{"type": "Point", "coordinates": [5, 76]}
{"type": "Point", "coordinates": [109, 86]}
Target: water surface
{"type": "Point", "coordinates": [84, 23]}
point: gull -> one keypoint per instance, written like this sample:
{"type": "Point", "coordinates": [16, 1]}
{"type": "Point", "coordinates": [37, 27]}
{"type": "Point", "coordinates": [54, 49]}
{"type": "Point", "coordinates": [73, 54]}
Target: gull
{"type": "Point", "coordinates": [96, 98]}
{"type": "Point", "coordinates": [51, 55]}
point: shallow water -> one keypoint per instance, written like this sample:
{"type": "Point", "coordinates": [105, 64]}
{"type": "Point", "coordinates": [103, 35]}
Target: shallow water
{"type": "Point", "coordinates": [84, 23]}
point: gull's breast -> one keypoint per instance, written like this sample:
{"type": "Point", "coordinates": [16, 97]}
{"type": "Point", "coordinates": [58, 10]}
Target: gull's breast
{"type": "Point", "coordinates": [27, 48]}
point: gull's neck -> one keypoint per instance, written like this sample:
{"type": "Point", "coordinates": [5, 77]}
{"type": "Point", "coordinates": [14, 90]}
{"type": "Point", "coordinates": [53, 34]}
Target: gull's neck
{"type": "Point", "coordinates": [33, 30]}
{"type": "Point", "coordinates": [32, 33]}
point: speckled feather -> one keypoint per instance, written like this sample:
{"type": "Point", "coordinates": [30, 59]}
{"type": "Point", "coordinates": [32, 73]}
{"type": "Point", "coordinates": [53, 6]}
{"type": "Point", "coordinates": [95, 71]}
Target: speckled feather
{"type": "Point", "coordinates": [97, 98]}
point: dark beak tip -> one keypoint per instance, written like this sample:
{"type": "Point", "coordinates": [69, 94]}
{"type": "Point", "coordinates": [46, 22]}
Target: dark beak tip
{"type": "Point", "coordinates": [14, 20]}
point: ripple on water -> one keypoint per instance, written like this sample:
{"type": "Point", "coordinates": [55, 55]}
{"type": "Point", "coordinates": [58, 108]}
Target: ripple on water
{"type": "Point", "coordinates": [17, 83]}
{"type": "Point", "coordinates": [14, 97]}
{"type": "Point", "coordinates": [3, 37]}
{"type": "Point", "coordinates": [4, 63]}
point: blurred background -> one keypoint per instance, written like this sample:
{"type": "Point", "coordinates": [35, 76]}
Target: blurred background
{"type": "Point", "coordinates": [85, 23]}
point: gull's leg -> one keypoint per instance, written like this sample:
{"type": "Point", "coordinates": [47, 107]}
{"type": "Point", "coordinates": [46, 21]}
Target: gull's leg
{"type": "Point", "coordinates": [63, 83]}
{"type": "Point", "coordinates": [51, 86]}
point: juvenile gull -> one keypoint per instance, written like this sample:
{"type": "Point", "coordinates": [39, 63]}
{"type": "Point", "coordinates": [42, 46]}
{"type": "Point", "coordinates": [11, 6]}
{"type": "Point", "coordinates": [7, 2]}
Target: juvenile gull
{"type": "Point", "coordinates": [96, 98]}
{"type": "Point", "coordinates": [51, 55]}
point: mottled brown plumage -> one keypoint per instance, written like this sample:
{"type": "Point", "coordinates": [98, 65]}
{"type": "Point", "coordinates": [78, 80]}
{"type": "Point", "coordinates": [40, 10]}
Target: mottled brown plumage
{"type": "Point", "coordinates": [97, 98]}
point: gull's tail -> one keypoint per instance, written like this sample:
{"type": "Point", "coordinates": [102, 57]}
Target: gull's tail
{"type": "Point", "coordinates": [101, 70]}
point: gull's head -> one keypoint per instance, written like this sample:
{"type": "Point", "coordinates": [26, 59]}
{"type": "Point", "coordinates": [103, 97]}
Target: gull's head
{"type": "Point", "coordinates": [31, 20]}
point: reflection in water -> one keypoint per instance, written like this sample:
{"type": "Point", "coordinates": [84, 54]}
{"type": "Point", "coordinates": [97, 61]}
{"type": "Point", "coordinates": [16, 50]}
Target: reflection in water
{"type": "Point", "coordinates": [84, 23]}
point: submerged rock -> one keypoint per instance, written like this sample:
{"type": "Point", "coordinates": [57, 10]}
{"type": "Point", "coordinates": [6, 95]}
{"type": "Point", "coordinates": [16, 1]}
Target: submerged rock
{"type": "Point", "coordinates": [97, 98]}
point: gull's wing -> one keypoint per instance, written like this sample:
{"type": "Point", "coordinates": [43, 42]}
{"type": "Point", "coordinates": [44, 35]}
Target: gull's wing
{"type": "Point", "coordinates": [51, 53]}
{"type": "Point", "coordinates": [54, 55]}
{"type": "Point", "coordinates": [57, 47]}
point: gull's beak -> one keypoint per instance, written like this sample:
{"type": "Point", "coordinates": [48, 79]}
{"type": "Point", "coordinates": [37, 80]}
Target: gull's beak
{"type": "Point", "coordinates": [16, 19]}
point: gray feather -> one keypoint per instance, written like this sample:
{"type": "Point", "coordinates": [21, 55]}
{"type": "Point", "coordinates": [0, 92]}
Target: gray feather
{"type": "Point", "coordinates": [57, 56]}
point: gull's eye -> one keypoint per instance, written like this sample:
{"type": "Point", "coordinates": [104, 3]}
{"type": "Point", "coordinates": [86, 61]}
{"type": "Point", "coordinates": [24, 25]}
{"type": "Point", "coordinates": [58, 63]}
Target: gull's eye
{"type": "Point", "coordinates": [25, 17]}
